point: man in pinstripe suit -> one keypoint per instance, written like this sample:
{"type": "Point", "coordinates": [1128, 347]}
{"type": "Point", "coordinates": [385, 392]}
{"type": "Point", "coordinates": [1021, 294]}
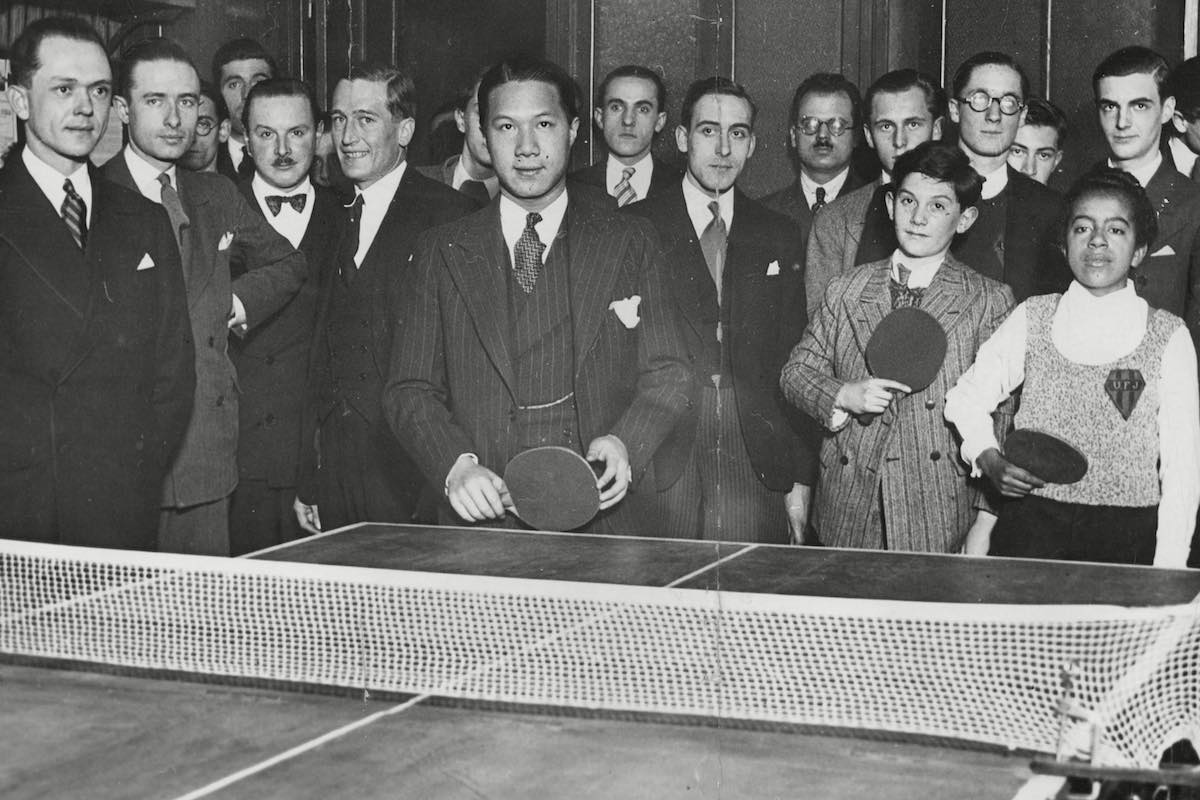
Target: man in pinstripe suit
{"type": "Point", "coordinates": [896, 482]}
{"type": "Point", "coordinates": [539, 320]}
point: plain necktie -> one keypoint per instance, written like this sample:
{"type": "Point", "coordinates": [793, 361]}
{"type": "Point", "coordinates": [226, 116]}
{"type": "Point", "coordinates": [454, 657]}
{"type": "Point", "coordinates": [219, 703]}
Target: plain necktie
{"type": "Point", "coordinates": [712, 242]}
{"type": "Point", "coordinates": [476, 190]}
{"type": "Point", "coordinates": [528, 254]}
{"type": "Point", "coordinates": [246, 165]}
{"type": "Point", "coordinates": [903, 296]}
{"type": "Point", "coordinates": [349, 245]}
{"type": "Point", "coordinates": [170, 200]}
{"type": "Point", "coordinates": [296, 201]}
{"type": "Point", "coordinates": [625, 193]}
{"type": "Point", "coordinates": [1196, 170]}
{"type": "Point", "coordinates": [74, 213]}
{"type": "Point", "coordinates": [820, 201]}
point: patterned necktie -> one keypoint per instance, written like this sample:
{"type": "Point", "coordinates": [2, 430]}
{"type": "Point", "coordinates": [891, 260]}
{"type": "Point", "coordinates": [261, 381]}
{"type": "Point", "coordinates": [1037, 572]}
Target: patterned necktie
{"type": "Point", "coordinates": [275, 202]}
{"type": "Point", "coordinates": [820, 202]}
{"type": "Point", "coordinates": [170, 201]}
{"type": "Point", "coordinates": [904, 296]}
{"type": "Point", "coordinates": [246, 165]}
{"type": "Point", "coordinates": [625, 193]}
{"type": "Point", "coordinates": [74, 213]}
{"type": "Point", "coordinates": [712, 242]}
{"type": "Point", "coordinates": [349, 243]}
{"type": "Point", "coordinates": [528, 254]}
{"type": "Point", "coordinates": [476, 190]}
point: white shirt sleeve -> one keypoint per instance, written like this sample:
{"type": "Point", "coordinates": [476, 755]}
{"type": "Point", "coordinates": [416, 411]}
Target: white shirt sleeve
{"type": "Point", "coordinates": [998, 370]}
{"type": "Point", "coordinates": [1179, 451]}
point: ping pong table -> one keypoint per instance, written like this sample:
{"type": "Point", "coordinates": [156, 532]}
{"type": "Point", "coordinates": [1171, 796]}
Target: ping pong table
{"type": "Point", "coordinates": [83, 731]}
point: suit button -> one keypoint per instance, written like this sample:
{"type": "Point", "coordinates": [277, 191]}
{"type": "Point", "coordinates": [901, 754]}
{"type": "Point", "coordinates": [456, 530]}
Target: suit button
{"type": "Point", "coordinates": [845, 460]}
{"type": "Point", "coordinates": [935, 456]}
{"type": "Point", "coordinates": [362, 323]}
{"type": "Point", "coordinates": [362, 376]}
{"type": "Point", "coordinates": [270, 360]}
{"type": "Point", "coordinates": [931, 404]}
{"type": "Point", "coordinates": [221, 400]}
{"type": "Point", "coordinates": [212, 341]}
{"type": "Point", "coordinates": [269, 419]}
{"type": "Point", "coordinates": [362, 348]}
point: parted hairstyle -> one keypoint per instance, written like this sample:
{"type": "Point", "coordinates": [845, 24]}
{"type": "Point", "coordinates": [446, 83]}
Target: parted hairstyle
{"type": "Point", "coordinates": [280, 87]}
{"type": "Point", "coordinates": [901, 80]}
{"type": "Point", "coordinates": [827, 83]}
{"type": "Point", "coordinates": [210, 91]}
{"type": "Point", "coordinates": [1134, 60]}
{"type": "Point", "coordinates": [962, 76]}
{"type": "Point", "coordinates": [1104, 180]}
{"type": "Point", "coordinates": [522, 68]}
{"type": "Point", "coordinates": [241, 49]}
{"type": "Point", "coordinates": [714, 85]}
{"type": "Point", "coordinates": [1184, 85]}
{"type": "Point", "coordinates": [634, 71]}
{"type": "Point", "coordinates": [401, 92]}
{"type": "Point", "coordinates": [1045, 114]}
{"type": "Point", "coordinates": [941, 161]}
{"type": "Point", "coordinates": [23, 55]}
{"type": "Point", "coordinates": [147, 50]}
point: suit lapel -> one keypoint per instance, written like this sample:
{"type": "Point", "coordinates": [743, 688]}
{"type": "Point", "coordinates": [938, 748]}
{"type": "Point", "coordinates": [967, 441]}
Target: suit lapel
{"type": "Point", "coordinates": [689, 277]}
{"type": "Point", "coordinates": [1162, 192]}
{"type": "Point", "coordinates": [943, 300]}
{"type": "Point", "coordinates": [478, 264]}
{"type": "Point", "coordinates": [197, 271]}
{"type": "Point", "coordinates": [593, 267]}
{"type": "Point", "coordinates": [874, 303]}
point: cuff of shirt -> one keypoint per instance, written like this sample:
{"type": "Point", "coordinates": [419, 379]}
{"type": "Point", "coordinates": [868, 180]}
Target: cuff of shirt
{"type": "Point", "coordinates": [838, 419]}
{"type": "Point", "coordinates": [972, 450]}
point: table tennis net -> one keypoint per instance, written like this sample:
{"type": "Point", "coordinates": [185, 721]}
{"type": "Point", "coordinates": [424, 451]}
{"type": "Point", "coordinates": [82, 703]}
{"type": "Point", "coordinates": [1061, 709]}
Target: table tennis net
{"type": "Point", "coordinates": [982, 673]}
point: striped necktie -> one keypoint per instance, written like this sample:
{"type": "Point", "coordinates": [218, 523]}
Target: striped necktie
{"type": "Point", "coordinates": [74, 213]}
{"type": "Point", "coordinates": [624, 191]}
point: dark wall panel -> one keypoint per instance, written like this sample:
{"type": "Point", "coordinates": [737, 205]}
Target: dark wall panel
{"type": "Point", "coordinates": [1016, 27]}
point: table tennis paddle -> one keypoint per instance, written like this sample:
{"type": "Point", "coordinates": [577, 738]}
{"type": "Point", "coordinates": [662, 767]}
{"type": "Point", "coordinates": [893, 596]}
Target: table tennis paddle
{"type": "Point", "coordinates": [1046, 456]}
{"type": "Point", "coordinates": [552, 488]}
{"type": "Point", "coordinates": [908, 346]}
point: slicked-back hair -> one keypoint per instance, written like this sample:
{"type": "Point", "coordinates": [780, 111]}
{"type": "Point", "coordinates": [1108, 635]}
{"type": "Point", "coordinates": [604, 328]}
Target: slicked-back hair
{"type": "Point", "coordinates": [147, 50]}
{"type": "Point", "coordinates": [241, 50]}
{"type": "Point", "coordinates": [280, 87]}
{"type": "Point", "coordinates": [899, 81]}
{"type": "Point", "coordinates": [1047, 115]}
{"type": "Point", "coordinates": [828, 83]}
{"type": "Point", "coordinates": [941, 161]}
{"type": "Point", "coordinates": [1184, 85]}
{"type": "Point", "coordinates": [1108, 182]}
{"type": "Point", "coordinates": [463, 98]}
{"type": "Point", "coordinates": [1134, 60]}
{"type": "Point", "coordinates": [634, 71]}
{"type": "Point", "coordinates": [401, 92]}
{"type": "Point", "coordinates": [210, 91]}
{"type": "Point", "coordinates": [522, 68]}
{"type": "Point", "coordinates": [962, 76]}
{"type": "Point", "coordinates": [23, 55]}
{"type": "Point", "coordinates": [714, 85]}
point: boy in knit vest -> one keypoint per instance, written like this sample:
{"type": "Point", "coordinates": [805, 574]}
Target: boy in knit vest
{"type": "Point", "coordinates": [1106, 372]}
{"type": "Point", "coordinates": [895, 483]}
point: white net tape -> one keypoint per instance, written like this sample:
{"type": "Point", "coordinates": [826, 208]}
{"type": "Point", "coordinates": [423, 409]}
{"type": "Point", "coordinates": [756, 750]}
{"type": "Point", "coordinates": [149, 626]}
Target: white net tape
{"type": "Point", "coordinates": [984, 673]}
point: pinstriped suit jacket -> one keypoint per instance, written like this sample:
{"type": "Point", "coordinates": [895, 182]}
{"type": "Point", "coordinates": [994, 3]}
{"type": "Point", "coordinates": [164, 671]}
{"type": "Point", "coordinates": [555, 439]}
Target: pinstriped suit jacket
{"type": "Point", "coordinates": [906, 462]}
{"type": "Point", "coordinates": [450, 390]}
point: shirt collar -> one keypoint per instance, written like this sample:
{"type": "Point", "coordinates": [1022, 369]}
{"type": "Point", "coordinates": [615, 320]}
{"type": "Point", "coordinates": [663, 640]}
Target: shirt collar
{"type": "Point", "coordinates": [380, 193]}
{"type": "Point", "coordinates": [697, 205]}
{"type": "Point", "coordinates": [921, 270]}
{"type": "Point", "coordinates": [460, 177]}
{"type": "Point", "coordinates": [1122, 301]}
{"type": "Point", "coordinates": [51, 181]}
{"type": "Point", "coordinates": [145, 175]}
{"type": "Point", "coordinates": [832, 187]}
{"type": "Point", "coordinates": [512, 221]}
{"type": "Point", "coordinates": [995, 182]}
{"type": "Point", "coordinates": [261, 188]}
{"type": "Point", "coordinates": [615, 169]}
{"type": "Point", "coordinates": [1143, 174]}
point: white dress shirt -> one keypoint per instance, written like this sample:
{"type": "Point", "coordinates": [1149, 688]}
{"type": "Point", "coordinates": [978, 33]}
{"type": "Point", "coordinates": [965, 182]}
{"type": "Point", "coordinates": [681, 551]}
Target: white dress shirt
{"type": "Point", "coordinates": [697, 202]}
{"type": "Point", "coordinates": [377, 198]}
{"type": "Point", "coordinates": [995, 182]}
{"type": "Point", "coordinates": [236, 153]}
{"type": "Point", "coordinates": [1182, 155]}
{"type": "Point", "coordinates": [460, 177]}
{"type": "Point", "coordinates": [832, 187]}
{"type": "Point", "coordinates": [512, 224]}
{"type": "Point", "coordinates": [145, 175]}
{"type": "Point", "coordinates": [290, 224]}
{"type": "Point", "coordinates": [51, 181]}
{"type": "Point", "coordinates": [1143, 174]}
{"type": "Point", "coordinates": [643, 170]}
{"type": "Point", "coordinates": [1096, 330]}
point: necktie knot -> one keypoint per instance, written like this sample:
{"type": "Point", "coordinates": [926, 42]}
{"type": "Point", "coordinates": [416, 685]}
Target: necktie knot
{"type": "Point", "coordinates": [348, 247]}
{"type": "Point", "coordinates": [171, 202]}
{"type": "Point", "coordinates": [820, 199]}
{"type": "Point", "coordinates": [527, 254]}
{"type": "Point", "coordinates": [164, 179]}
{"type": "Point", "coordinates": [904, 295]}
{"type": "Point", "coordinates": [624, 191]}
{"type": "Point", "coordinates": [296, 201]}
{"type": "Point", "coordinates": [74, 213]}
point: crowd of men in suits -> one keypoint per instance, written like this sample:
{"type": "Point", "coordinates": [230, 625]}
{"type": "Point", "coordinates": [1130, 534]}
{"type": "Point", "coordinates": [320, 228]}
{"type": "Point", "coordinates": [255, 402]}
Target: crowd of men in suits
{"type": "Point", "coordinates": [259, 320]}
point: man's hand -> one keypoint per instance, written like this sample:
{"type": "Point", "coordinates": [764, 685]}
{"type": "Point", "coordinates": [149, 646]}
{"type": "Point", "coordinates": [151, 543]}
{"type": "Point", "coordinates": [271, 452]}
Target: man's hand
{"type": "Point", "coordinates": [475, 492]}
{"type": "Point", "coordinates": [871, 396]}
{"type": "Point", "coordinates": [797, 502]}
{"type": "Point", "coordinates": [308, 516]}
{"type": "Point", "coordinates": [1011, 480]}
{"type": "Point", "coordinates": [613, 483]}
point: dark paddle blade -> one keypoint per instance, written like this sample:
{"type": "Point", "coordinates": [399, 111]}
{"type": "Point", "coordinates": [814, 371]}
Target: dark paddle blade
{"type": "Point", "coordinates": [1046, 456]}
{"type": "Point", "coordinates": [552, 488]}
{"type": "Point", "coordinates": [908, 346]}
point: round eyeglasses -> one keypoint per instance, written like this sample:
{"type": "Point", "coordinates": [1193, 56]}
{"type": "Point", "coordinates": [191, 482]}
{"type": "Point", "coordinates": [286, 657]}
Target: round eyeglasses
{"type": "Point", "coordinates": [835, 125]}
{"type": "Point", "coordinates": [204, 126]}
{"type": "Point", "coordinates": [981, 101]}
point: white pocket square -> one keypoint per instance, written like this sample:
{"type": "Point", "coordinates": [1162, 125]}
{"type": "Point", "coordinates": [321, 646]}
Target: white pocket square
{"type": "Point", "coordinates": [627, 310]}
{"type": "Point", "coordinates": [1165, 250]}
{"type": "Point", "coordinates": [146, 263]}
{"type": "Point", "coordinates": [226, 240]}
{"type": "Point", "coordinates": [773, 268]}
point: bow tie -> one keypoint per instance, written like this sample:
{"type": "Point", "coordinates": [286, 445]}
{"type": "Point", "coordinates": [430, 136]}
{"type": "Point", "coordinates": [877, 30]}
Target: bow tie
{"type": "Point", "coordinates": [275, 202]}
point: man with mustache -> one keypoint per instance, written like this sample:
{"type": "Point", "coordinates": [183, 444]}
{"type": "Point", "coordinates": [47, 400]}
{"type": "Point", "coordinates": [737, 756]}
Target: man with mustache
{"type": "Point", "coordinates": [158, 91]}
{"type": "Point", "coordinates": [826, 114]}
{"type": "Point", "coordinates": [280, 118]}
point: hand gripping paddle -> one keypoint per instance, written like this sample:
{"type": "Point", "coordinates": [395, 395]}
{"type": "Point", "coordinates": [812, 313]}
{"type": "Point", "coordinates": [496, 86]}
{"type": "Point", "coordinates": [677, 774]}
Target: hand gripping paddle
{"type": "Point", "coordinates": [907, 346]}
{"type": "Point", "coordinates": [1046, 456]}
{"type": "Point", "coordinates": [552, 488]}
